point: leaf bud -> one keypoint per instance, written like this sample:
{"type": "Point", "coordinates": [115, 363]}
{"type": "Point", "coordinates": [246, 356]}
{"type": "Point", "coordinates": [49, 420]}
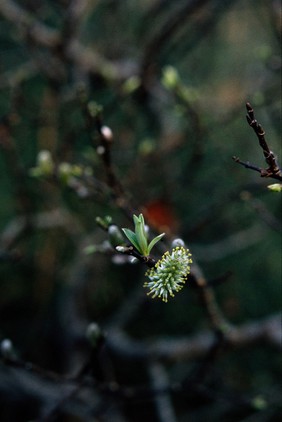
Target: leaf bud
{"type": "Point", "coordinates": [107, 133]}
{"type": "Point", "coordinates": [170, 77]}
{"type": "Point", "coordinates": [94, 333]}
{"type": "Point", "coordinates": [45, 162]}
{"type": "Point", "coordinates": [177, 242]}
{"type": "Point", "coordinates": [121, 249]}
{"type": "Point", "coordinates": [115, 235]}
{"type": "Point", "coordinates": [7, 349]}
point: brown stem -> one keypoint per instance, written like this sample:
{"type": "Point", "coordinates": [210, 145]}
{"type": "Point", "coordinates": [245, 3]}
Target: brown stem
{"type": "Point", "coordinates": [218, 322]}
{"type": "Point", "coordinates": [273, 170]}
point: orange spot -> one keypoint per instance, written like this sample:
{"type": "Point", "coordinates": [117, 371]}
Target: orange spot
{"type": "Point", "coordinates": [160, 216]}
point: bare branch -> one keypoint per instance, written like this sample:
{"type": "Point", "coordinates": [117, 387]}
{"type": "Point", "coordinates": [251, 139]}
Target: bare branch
{"type": "Point", "coordinates": [82, 56]}
{"type": "Point", "coordinates": [39, 32]}
{"type": "Point", "coordinates": [172, 24]}
{"type": "Point", "coordinates": [268, 154]}
{"type": "Point", "coordinates": [94, 124]}
{"type": "Point", "coordinates": [273, 171]}
{"type": "Point", "coordinates": [163, 403]}
{"type": "Point", "coordinates": [182, 349]}
{"type": "Point", "coordinates": [230, 245]}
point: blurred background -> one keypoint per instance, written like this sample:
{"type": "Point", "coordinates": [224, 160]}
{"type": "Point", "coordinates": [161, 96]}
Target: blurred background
{"type": "Point", "coordinates": [172, 78]}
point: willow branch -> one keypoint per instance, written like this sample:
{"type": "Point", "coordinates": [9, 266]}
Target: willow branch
{"type": "Point", "coordinates": [273, 171]}
{"type": "Point", "coordinates": [39, 32]}
{"type": "Point", "coordinates": [230, 245]}
{"type": "Point", "coordinates": [184, 349]}
{"type": "Point", "coordinates": [219, 324]}
{"type": "Point", "coordinates": [94, 125]}
{"type": "Point", "coordinates": [172, 24]}
{"type": "Point", "coordinates": [163, 402]}
{"type": "Point", "coordinates": [84, 57]}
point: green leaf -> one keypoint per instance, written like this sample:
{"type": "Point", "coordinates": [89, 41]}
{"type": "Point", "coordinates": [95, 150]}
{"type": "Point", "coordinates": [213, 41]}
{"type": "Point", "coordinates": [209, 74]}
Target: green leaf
{"type": "Point", "coordinates": [154, 241]}
{"type": "Point", "coordinates": [90, 249]}
{"type": "Point", "coordinates": [141, 234]}
{"type": "Point", "coordinates": [139, 238]}
{"type": "Point", "coordinates": [131, 236]}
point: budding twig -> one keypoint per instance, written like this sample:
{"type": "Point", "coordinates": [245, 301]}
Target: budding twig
{"type": "Point", "coordinates": [129, 250]}
{"type": "Point", "coordinates": [273, 171]}
{"type": "Point", "coordinates": [94, 125]}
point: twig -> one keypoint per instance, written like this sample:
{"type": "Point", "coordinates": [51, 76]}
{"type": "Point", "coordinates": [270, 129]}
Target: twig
{"type": "Point", "coordinates": [84, 57]}
{"type": "Point", "coordinates": [199, 376]}
{"type": "Point", "coordinates": [12, 78]}
{"type": "Point", "coordinates": [247, 165]}
{"type": "Point", "coordinates": [14, 164]}
{"type": "Point", "coordinates": [230, 245]}
{"type": "Point", "coordinates": [187, 348]}
{"type": "Point", "coordinates": [172, 349]}
{"type": "Point", "coordinates": [57, 217]}
{"type": "Point", "coordinates": [94, 124]}
{"type": "Point", "coordinates": [104, 150]}
{"type": "Point", "coordinates": [41, 33]}
{"type": "Point", "coordinates": [163, 402]}
{"type": "Point", "coordinates": [172, 24]}
{"type": "Point", "coordinates": [262, 211]}
{"type": "Point", "coordinates": [217, 320]}
{"type": "Point", "coordinates": [273, 171]}
{"type": "Point", "coordinates": [129, 250]}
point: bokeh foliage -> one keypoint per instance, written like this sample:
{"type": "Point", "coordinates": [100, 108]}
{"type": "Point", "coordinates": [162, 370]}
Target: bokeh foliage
{"type": "Point", "coordinates": [172, 148]}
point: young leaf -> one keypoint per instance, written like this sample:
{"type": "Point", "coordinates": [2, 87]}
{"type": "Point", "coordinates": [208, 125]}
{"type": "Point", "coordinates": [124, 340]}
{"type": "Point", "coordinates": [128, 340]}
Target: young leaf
{"type": "Point", "coordinates": [141, 234]}
{"type": "Point", "coordinates": [154, 241]}
{"type": "Point", "coordinates": [131, 236]}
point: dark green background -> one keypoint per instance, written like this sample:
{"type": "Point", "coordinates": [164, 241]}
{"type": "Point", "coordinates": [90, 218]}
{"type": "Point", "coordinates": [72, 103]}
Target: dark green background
{"type": "Point", "coordinates": [226, 53]}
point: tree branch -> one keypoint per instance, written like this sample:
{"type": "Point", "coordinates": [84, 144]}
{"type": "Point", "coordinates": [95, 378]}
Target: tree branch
{"type": "Point", "coordinates": [163, 402]}
{"type": "Point", "coordinates": [273, 171]}
{"type": "Point", "coordinates": [84, 57]}
{"type": "Point", "coordinates": [187, 348]}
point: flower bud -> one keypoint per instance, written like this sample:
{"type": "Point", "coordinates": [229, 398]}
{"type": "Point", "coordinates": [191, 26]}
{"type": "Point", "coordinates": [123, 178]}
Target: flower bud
{"type": "Point", "coordinates": [177, 242]}
{"type": "Point", "coordinates": [93, 333]}
{"type": "Point", "coordinates": [7, 349]}
{"type": "Point", "coordinates": [104, 222]}
{"type": "Point", "coordinates": [115, 235]}
{"type": "Point", "coordinates": [45, 162]}
{"type": "Point", "coordinates": [64, 172]}
{"type": "Point", "coordinates": [121, 249]}
{"type": "Point", "coordinates": [170, 77]}
{"type": "Point", "coordinates": [131, 84]}
{"type": "Point", "coordinates": [107, 133]}
{"type": "Point", "coordinates": [276, 187]}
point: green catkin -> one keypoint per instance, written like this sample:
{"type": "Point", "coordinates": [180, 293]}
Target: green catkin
{"type": "Point", "coordinates": [169, 274]}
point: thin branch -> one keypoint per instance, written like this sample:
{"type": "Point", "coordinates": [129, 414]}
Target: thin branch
{"type": "Point", "coordinates": [172, 24]}
{"type": "Point", "coordinates": [57, 217]}
{"type": "Point", "coordinates": [129, 250]}
{"type": "Point", "coordinates": [163, 402]}
{"type": "Point", "coordinates": [128, 310]}
{"type": "Point", "coordinates": [15, 77]}
{"type": "Point", "coordinates": [84, 57]}
{"type": "Point", "coordinates": [247, 165]}
{"type": "Point", "coordinates": [262, 211]}
{"type": "Point", "coordinates": [219, 324]}
{"type": "Point", "coordinates": [41, 33]}
{"type": "Point", "coordinates": [230, 245]}
{"type": "Point", "coordinates": [172, 349]}
{"type": "Point", "coordinates": [94, 125]}
{"type": "Point", "coordinates": [273, 171]}
{"type": "Point", "coordinates": [14, 163]}
{"type": "Point", "coordinates": [187, 348]}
